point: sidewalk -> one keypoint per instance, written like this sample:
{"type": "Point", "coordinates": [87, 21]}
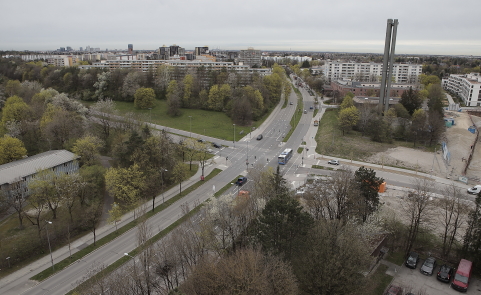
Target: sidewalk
{"type": "Point", "coordinates": [21, 277]}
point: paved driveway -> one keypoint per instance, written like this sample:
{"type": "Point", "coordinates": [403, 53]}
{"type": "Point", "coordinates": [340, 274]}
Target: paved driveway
{"type": "Point", "coordinates": [419, 284]}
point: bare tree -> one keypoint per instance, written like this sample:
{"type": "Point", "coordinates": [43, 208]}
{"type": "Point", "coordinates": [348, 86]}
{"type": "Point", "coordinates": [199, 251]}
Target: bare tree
{"type": "Point", "coordinates": [418, 207]}
{"type": "Point", "coordinates": [452, 217]}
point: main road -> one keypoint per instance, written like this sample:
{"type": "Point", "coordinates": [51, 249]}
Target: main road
{"type": "Point", "coordinates": [234, 161]}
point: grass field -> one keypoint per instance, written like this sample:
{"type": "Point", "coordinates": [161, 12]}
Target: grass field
{"type": "Point", "coordinates": [352, 145]}
{"type": "Point", "coordinates": [203, 122]}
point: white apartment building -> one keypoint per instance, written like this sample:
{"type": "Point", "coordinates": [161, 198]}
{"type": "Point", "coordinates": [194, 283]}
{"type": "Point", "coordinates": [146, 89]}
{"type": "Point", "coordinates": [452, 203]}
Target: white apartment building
{"type": "Point", "coordinates": [467, 86]}
{"type": "Point", "coordinates": [370, 72]}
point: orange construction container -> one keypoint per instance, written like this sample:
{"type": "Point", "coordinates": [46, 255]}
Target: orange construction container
{"type": "Point", "coordinates": [382, 187]}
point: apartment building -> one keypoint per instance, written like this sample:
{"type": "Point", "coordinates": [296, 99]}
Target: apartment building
{"type": "Point", "coordinates": [368, 88]}
{"type": "Point", "coordinates": [467, 86]}
{"type": "Point", "coordinates": [370, 72]}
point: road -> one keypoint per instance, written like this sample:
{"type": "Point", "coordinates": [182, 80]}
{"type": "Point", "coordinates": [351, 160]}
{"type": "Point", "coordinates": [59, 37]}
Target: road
{"type": "Point", "coordinates": [248, 152]}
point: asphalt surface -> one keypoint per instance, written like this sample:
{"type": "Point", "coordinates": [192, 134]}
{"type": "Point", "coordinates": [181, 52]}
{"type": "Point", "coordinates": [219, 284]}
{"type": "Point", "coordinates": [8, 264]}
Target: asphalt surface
{"type": "Point", "coordinates": [248, 152]}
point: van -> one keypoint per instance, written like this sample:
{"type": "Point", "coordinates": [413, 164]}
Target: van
{"type": "Point", "coordinates": [462, 276]}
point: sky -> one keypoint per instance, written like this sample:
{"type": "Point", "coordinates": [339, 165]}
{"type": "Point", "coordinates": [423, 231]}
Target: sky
{"type": "Point", "coordinates": [438, 27]}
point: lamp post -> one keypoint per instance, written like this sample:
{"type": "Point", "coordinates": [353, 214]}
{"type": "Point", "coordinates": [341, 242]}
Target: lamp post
{"type": "Point", "coordinates": [127, 254]}
{"type": "Point", "coordinates": [162, 179]}
{"type": "Point", "coordinates": [234, 135]}
{"type": "Point", "coordinates": [8, 259]}
{"type": "Point", "coordinates": [190, 118]}
{"type": "Point", "coordinates": [48, 239]}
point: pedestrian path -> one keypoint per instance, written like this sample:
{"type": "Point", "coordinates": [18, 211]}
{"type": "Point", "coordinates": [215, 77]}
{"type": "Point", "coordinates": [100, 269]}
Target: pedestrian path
{"type": "Point", "coordinates": [58, 255]}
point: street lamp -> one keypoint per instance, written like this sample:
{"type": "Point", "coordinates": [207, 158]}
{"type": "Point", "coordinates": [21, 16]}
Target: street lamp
{"type": "Point", "coordinates": [127, 254]}
{"type": "Point", "coordinates": [8, 259]}
{"type": "Point", "coordinates": [234, 135]}
{"type": "Point", "coordinates": [48, 239]}
{"type": "Point", "coordinates": [190, 118]}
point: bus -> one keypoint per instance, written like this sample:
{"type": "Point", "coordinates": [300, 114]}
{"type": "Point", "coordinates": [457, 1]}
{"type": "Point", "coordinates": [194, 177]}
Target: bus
{"type": "Point", "coordinates": [462, 276]}
{"type": "Point", "coordinates": [284, 156]}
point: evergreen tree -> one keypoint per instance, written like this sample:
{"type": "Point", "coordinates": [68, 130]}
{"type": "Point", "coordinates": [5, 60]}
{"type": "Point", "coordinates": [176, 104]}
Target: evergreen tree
{"type": "Point", "coordinates": [472, 237]}
{"type": "Point", "coordinates": [368, 185]}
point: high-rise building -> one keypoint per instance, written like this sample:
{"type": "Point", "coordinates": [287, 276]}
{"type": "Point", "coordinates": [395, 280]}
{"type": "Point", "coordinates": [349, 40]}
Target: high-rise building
{"type": "Point", "coordinates": [201, 50]}
{"type": "Point", "coordinates": [131, 48]}
{"type": "Point", "coordinates": [250, 57]}
{"type": "Point", "coordinates": [164, 52]}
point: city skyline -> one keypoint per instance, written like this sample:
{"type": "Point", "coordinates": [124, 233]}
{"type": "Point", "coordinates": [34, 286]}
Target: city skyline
{"type": "Point", "coordinates": [425, 26]}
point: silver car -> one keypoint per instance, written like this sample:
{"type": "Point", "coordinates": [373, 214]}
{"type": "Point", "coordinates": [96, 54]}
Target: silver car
{"type": "Point", "coordinates": [428, 266]}
{"type": "Point", "coordinates": [333, 162]}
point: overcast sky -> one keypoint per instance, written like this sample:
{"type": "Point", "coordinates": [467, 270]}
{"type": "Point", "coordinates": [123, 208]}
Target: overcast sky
{"type": "Point", "coordinates": [425, 26]}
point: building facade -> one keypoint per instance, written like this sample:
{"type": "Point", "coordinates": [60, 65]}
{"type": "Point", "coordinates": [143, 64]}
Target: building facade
{"type": "Point", "coordinates": [15, 176]}
{"type": "Point", "coordinates": [368, 89]}
{"type": "Point", "coordinates": [250, 57]}
{"type": "Point", "coordinates": [370, 72]}
{"type": "Point", "coordinates": [467, 86]}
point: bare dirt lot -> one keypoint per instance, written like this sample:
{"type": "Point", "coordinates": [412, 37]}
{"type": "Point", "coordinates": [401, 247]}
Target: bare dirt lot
{"type": "Point", "coordinates": [459, 142]}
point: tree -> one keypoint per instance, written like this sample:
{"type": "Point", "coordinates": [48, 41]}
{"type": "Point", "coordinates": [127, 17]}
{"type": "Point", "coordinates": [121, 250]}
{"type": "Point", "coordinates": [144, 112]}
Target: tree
{"type": "Point", "coordinates": [472, 236]}
{"type": "Point", "coordinates": [15, 109]}
{"type": "Point", "coordinates": [125, 184]}
{"type": "Point", "coordinates": [453, 209]}
{"type": "Point", "coordinates": [347, 102]}
{"type": "Point", "coordinates": [11, 149]}
{"type": "Point", "coordinates": [131, 85]}
{"type": "Point", "coordinates": [192, 148]}
{"type": "Point", "coordinates": [282, 225]}
{"type": "Point", "coordinates": [418, 125]}
{"type": "Point", "coordinates": [15, 200]}
{"type": "Point", "coordinates": [368, 185]}
{"type": "Point", "coordinates": [348, 118]}
{"type": "Point", "coordinates": [88, 148]}
{"type": "Point", "coordinates": [12, 87]}
{"type": "Point", "coordinates": [68, 187]}
{"type": "Point", "coordinates": [417, 206]}
{"type": "Point", "coordinates": [115, 214]}
{"type": "Point", "coordinates": [331, 259]}
{"type": "Point", "coordinates": [246, 271]}
{"type": "Point", "coordinates": [410, 100]}
{"type": "Point", "coordinates": [92, 217]}
{"type": "Point", "coordinates": [179, 174]}
{"type": "Point", "coordinates": [435, 102]}
{"type": "Point", "coordinates": [104, 109]}
{"type": "Point", "coordinates": [144, 98]}
{"type": "Point", "coordinates": [188, 84]}
{"type": "Point", "coordinates": [435, 126]}
{"type": "Point", "coordinates": [173, 98]}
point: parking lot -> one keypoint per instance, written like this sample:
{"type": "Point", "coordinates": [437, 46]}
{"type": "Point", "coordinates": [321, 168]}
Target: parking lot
{"type": "Point", "coordinates": [413, 281]}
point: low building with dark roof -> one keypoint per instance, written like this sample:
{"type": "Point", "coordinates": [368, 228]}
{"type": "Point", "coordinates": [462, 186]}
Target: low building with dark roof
{"type": "Point", "coordinates": [15, 176]}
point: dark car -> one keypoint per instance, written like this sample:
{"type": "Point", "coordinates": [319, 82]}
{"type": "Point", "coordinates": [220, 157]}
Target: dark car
{"type": "Point", "coordinates": [445, 273]}
{"type": "Point", "coordinates": [216, 145]}
{"type": "Point", "coordinates": [428, 266]}
{"type": "Point", "coordinates": [241, 180]}
{"type": "Point", "coordinates": [259, 137]}
{"type": "Point", "coordinates": [200, 140]}
{"type": "Point", "coordinates": [412, 261]}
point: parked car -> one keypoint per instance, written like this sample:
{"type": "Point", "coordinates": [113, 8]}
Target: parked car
{"type": "Point", "coordinates": [216, 145]}
{"type": "Point", "coordinates": [445, 273]}
{"type": "Point", "coordinates": [241, 180]}
{"type": "Point", "coordinates": [394, 290]}
{"type": "Point", "coordinates": [259, 137]}
{"type": "Point", "coordinates": [462, 276]}
{"type": "Point", "coordinates": [474, 190]}
{"type": "Point", "coordinates": [412, 261]}
{"type": "Point", "coordinates": [291, 103]}
{"type": "Point", "coordinates": [333, 162]}
{"type": "Point", "coordinates": [311, 107]}
{"type": "Point", "coordinates": [305, 111]}
{"type": "Point", "coordinates": [428, 266]}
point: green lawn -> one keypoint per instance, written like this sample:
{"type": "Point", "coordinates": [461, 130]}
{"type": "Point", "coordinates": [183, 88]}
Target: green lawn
{"type": "Point", "coordinates": [209, 123]}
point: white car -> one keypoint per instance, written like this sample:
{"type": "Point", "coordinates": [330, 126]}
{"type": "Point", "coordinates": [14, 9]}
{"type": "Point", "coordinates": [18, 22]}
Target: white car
{"type": "Point", "coordinates": [474, 190]}
{"type": "Point", "coordinates": [333, 162]}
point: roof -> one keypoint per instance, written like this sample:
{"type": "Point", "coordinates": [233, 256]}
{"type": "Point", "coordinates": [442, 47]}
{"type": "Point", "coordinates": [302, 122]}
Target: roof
{"type": "Point", "coordinates": [11, 172]}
